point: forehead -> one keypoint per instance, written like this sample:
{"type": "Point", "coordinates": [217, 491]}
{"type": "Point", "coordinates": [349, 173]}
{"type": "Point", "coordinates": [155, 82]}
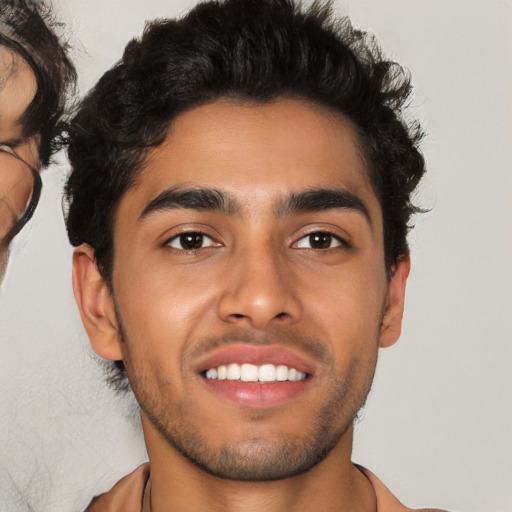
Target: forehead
{"type": "Point", "coordinates": [255, 152]}
{"type": "Point", "coordinates": [18, 87]}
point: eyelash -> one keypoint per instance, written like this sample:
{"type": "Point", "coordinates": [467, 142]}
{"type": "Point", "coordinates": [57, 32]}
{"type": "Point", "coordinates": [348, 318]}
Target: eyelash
{"type": "Point", "coordinates": [341, 243]}
{"type": "Point", "coordinates": [168, 242]}
{"type": "Point", "coordinates": [204, 236]}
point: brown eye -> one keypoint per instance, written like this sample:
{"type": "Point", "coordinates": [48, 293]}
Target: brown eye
{"type": "Point", "coordinates": [190, 241]}
{"type": "Point", "coordinates": [319, 240]}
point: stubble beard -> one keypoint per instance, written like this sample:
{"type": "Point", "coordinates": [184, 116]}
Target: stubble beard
{"type": "Point", "coordinates": [256, 459]}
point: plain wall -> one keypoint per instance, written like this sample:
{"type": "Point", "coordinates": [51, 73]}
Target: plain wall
{"type": "Point", "coordinates": [437, 426]}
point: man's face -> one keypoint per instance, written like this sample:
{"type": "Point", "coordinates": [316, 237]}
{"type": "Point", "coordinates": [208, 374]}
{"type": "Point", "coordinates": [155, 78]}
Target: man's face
{"type": "Point", "coordinates": [252, 243]}
{"type": "Point", "coordinates": [17, 89]}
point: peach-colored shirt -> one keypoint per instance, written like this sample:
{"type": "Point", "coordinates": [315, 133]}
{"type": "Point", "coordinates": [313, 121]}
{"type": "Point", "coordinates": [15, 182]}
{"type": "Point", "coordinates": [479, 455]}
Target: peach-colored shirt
{"type": "Point", "coordinates": [125, 496]}
{"type": "Point", "coordinates": [128, 495]}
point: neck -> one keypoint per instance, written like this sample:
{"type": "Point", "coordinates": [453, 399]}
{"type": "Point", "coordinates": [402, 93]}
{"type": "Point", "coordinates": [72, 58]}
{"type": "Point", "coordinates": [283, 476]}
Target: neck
{"type": "Point", "coordinates": [178, 485]}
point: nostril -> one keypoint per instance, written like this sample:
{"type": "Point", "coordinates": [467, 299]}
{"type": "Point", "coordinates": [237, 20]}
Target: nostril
{"type": "Point", "coordinates": [281, 315]}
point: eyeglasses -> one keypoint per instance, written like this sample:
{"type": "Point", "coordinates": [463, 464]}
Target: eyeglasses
{"type": "Point", "coordinates": [20, 188]}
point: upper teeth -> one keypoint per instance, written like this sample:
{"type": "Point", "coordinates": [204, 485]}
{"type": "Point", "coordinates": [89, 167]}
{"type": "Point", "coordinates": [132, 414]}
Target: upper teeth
{"type": "Point", "coordinates": [252, 373]}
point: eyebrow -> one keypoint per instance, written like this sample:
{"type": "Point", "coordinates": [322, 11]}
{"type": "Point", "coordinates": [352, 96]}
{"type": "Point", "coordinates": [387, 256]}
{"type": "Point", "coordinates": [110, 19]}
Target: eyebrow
{"type": "Point", "coordinates": [12, 143]}
{"type": "Point", "coordinates": [206, 199]}
{"type": "Point", "coordinates": [213, 200]}
{"type": "Point", "coordinates": [322, 199]}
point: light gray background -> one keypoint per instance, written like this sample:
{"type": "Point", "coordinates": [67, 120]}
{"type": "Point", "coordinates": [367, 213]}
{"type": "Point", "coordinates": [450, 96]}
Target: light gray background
{"type": "Point", "coordinates": [437, 427]}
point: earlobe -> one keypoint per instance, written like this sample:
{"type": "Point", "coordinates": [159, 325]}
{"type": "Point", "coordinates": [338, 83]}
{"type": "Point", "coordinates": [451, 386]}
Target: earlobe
{"type": "Point", "coordinates": [95, 304]}
{"type": "Point", "coordinates": [392, 318]}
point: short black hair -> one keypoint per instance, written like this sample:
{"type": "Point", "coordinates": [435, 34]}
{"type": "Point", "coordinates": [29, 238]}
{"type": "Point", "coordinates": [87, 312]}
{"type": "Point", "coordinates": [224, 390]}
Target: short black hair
{"type": "Point", "coordinates": [248, 50]}
{"type": "Point", "coordinates": [28, 29]}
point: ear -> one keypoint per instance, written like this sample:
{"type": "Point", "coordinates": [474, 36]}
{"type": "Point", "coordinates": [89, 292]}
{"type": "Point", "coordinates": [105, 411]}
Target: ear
{"type": "Point", "coordinates": [96, 305]}
{"type": "Point", "coordinates": [395, 298]}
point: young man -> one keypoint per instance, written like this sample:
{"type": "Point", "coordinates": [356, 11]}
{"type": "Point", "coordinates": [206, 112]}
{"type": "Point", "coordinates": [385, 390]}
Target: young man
{"type": "Point", "coordinates": [239, 199]}
{"type": "Point", "coordinates": [35, 74]}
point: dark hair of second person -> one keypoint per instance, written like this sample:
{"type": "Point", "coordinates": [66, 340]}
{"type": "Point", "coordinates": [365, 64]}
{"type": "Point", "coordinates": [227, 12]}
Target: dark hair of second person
{"type": "Point", "coordinates": [28, 29]}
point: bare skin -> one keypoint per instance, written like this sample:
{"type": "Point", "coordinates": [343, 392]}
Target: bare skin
{"type": "Point", "coordinates": [18, 87]}
{"type": "Point", "coordinates": [258, 277]}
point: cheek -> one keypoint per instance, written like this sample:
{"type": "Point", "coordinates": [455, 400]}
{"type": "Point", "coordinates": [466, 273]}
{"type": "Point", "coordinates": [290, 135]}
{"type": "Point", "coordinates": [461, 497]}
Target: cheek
{"type": "Point", "coordinates": [347, 308]}
{"type": "Point", "coordinates": [162, 308]}
{"type": "Point", "coordinates": [3, 261]}
{"type": "Point", "coordinates": [15, 189]}
{"type": "Point", "coordinates": [352, 295]}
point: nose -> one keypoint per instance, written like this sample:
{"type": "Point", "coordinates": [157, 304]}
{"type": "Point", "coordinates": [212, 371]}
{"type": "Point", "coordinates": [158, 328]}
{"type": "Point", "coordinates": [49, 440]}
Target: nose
{"type": "Point", "coordinates": [259, 291]}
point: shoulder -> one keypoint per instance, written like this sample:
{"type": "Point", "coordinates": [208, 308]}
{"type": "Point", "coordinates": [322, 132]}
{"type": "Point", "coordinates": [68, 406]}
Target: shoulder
{"type": "Point", "coordinates": [386, 501]}
{"type": "Point", "coordinates": [125, 496]}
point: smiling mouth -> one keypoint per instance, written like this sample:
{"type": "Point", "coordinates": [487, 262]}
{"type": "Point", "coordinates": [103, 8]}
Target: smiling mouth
{"type": "Point", "coordinates": [265, 373]}
{"type": "Point", "coordinates": [256, 376]}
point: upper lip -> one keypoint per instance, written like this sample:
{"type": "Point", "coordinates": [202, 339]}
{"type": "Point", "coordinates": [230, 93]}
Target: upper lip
{"type": "Point", "coordinates": [251, 353]}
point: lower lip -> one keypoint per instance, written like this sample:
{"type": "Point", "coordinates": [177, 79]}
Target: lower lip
{"type": "Point", "coordinates": [257, 395]}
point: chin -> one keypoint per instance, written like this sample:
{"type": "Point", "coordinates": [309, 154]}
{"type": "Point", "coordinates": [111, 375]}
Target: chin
{"type": "Point", "coordinates": [259, 459]}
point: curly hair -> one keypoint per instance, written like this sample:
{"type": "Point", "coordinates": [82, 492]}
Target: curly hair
{"type": "Point", "coordinates": [247, 50]}
{"type": "Point", "coordinates": [28, 29]}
